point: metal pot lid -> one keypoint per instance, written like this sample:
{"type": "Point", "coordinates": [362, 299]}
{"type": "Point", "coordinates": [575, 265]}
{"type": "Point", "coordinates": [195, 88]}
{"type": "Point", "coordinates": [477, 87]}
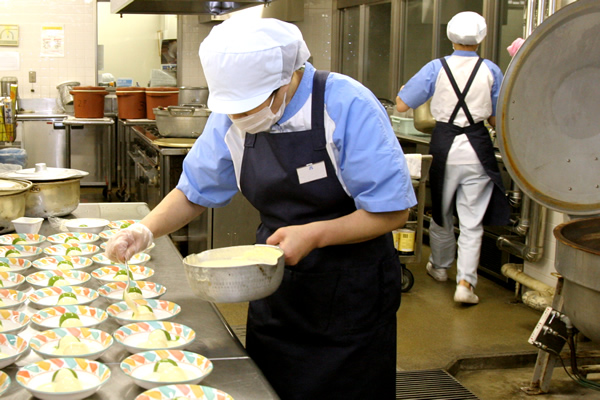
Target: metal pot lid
{"type": "Point", "coordinates": [43, 173]}
{"type": "Point", "coordinates": [548, 129]}
{"type": "Point", "coordinates": [198, 110]}
{"type": "Point", "coordinates": [13, 186]}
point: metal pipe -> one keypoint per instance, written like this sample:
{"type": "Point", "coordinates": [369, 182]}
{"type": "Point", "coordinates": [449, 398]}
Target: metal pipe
{"type": "Point", "coordinates": [514, 272]}
{"type": "Point", "coordinates": [532, 249]}
{"type": "Point", "coordinates": [524, 223]}
{"type": "Point", "coordinates": [530, 17]}
{"type": "Point", "coordinates": [541, 11]}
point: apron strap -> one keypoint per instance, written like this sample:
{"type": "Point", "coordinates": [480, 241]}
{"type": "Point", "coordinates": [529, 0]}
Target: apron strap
{"type": "Point", "coordinates": [317, 113]}
{"type": "Point", "coordinates": [461, 95]}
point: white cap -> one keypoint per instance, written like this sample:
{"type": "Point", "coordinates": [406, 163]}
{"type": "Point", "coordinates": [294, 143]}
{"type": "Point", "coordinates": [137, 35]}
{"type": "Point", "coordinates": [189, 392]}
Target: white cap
{"type": "Point", "coordinates": [467, 28]}
{"type": "Point", "coordinates": [244, 61]}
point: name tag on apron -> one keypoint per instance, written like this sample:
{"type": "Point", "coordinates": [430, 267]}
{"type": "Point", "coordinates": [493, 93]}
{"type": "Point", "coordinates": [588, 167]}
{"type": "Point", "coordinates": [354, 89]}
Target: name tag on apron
{"type": "Point", "coordinates": [312, 172]}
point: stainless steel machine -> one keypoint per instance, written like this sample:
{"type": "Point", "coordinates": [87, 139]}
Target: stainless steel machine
{"type": "Point", "coordinates": [550, 143]}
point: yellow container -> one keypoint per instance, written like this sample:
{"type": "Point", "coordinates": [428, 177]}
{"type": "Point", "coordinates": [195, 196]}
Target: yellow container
{"type": "Point", "coordinates": [404, 240]}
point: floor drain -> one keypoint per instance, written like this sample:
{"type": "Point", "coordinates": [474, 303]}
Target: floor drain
{"type": "Point", "coordinates": [435, 384]}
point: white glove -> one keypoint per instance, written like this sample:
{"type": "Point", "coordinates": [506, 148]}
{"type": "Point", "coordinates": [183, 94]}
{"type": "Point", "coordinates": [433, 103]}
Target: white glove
{"type": "Point", "coordinates": [129, 241]}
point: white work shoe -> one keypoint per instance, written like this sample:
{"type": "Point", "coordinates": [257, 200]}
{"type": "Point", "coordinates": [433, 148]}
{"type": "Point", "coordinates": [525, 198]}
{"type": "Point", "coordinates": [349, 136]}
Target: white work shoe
{"type": "Point", "coordinates": [439, 274]}
{"type": "Point", "coordinates": [465, 295]}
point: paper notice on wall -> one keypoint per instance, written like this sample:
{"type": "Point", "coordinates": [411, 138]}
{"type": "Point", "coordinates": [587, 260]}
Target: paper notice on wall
{"type": "Point", "coordinates": [53, 41]}
{"type": "Point", "coordinates": [9, 61]}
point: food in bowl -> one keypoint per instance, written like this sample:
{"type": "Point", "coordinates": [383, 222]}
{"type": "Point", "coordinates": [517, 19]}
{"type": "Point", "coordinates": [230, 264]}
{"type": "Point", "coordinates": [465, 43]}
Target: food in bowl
{"type": "Point", "coordinates": [70, 345]}
{"type": "Point", "coordinates": [87, 225]}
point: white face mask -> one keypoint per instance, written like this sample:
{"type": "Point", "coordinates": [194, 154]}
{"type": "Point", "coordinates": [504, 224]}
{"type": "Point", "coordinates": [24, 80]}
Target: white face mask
{"type": "Point", "coordinates": [261, 121]}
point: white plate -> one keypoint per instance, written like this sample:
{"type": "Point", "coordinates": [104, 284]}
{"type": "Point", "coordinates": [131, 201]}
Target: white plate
{"type": "Point", "coordinates": [24, 239]}
{"type": "Point", "coordinates": [140, 366]}
{"type": "Point", "coordinates": [49, 318]}
{"type": "Point", "coordinates": [41, 279]}
{"type": "Point", "coordinates": [46, 343]}
{"type": "Point", "coordinates": [11, 280]}
{"type": "Point", "coordinates": [11, 299]}
{"type": "Point", "coordinates": [122, 223]}
{"type": "Point", "coordinates": [48, 297]}
{"type": "Point", "coordinates": [87, 225]}
{"type": "Point", "coordinates": [113, 291]}
{"type": "Point", "coordinates": [191, 392]}
{"type": "Point", "coordinates": [107, 273]}
{"type": "Point", "coordinates": [58, 262]}
{"type": "Point", "coordinates": [163, 310]}
{"type": "Point", "coordinates": [92, 375]}
{"type": "Point", "coordinates": [134, 337]}
{"type": "Point", "coordinates": [12, 345]}
{"type": "Point", "coordinates": [73, 237]}
{"type": "Point", "coordinates": [65, 249]}
{"type": "Point", "coordinates": [13, 321]}
{"type": "Point", "coordinates": [139, 258]}
{"type": "Point", "coordinates": [16, 264]}
{"type": "Point", "coordinates": [27, 252]}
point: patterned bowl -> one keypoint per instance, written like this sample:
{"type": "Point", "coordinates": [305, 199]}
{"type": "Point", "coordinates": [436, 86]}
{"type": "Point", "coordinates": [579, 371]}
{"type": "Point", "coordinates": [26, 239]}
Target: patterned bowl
{"type": "Point", "coordinates": [4, 382]}
{"type": "Point", "coordinates": [139, 258]}
{"type": "Point", "coordinates": [191, 392]}
{"type": "Point", "coordinates": [11, 299]}
{"type": "Point", "coordinates": [162, 309]}
{"type": "Point", "coordinates": [140, 368]}
{"type": "Point", "coordinates": [47, 344]}
{"type": "Point", "coordinates": [13, 347]}
{"type": "Point", "coordinates": [92, 375]}
{"type": "Point", "coordinates": [71, 249]}
{"type": "Point", "coordinates": [49, 296]}
{"type": "Point", "coordinates": [107, 234]}
{"type": "Point", "coordinates": [13, 322]}
{"type": "Point", "coordinates": [122, 223]}
{"type": "Point", "coordinates": [73, 237]}
{"type": "Point", "coordinates": [63, 263]}
{"type": "Point", "coordinates": [11, 280]}
{"type": "Point", "coordinates": [49, 318]}
{"type": "Point", "coordinates": [136, 337]}
{"type": "Point", "coordinates": [15, 264]}
{"type": "Point", "coordinates": [24, 239]}
{"type": "Point", "coordinates": [42, 279]}
{"type": "Point", "coordinates": [20, 251]}
{"type": "Point", "coordinates": [113, 291]}
{"type": "Point", "coordinates": [108, 273]}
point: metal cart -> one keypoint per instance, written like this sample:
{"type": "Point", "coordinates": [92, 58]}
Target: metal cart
{"type": "Point", "coordinates": [415, 223]}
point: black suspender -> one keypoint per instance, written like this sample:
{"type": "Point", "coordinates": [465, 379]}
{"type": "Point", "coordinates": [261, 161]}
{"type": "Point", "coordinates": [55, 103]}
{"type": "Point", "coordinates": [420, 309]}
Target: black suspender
{"type": "Point", "coordinates": [461, 95]}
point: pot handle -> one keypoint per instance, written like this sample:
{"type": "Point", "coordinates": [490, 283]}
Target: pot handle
{"type": "Point", "coordinates": [180, 111]}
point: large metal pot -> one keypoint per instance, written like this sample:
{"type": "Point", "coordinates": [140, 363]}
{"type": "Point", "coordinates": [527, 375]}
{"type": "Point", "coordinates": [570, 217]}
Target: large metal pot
{"type": "Point", "coordinates": [230, 274]}
{"type": "Point", "coordinates": [13, 195]}
{"type": "Point", "coordinates": [181, 121]}
{"type": "Point", "coordinates": [578, 261]}
{"type": "Point", "coordinates": [54, 191]}
{"type": "Point", "coordinates": [193, 96]}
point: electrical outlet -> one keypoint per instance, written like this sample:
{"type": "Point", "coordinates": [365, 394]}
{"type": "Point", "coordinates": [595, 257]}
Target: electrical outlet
{"type": "Point", "coordinates": [32, 76]}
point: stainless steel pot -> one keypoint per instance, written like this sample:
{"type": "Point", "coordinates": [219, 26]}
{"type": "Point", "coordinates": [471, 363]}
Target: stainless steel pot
{"type": "Point", "coordinates": [54, 191]}
{"type": "Point", "coordinates": [193, 96]}
{"type": "Point", "coordinates": [238, 279]}
{"type": "Point", "coordinates": [13, 195]}
{"type": "Point", "coordinates": [578, 260]}
{"type": "Point", "coordinates": [181, 121]}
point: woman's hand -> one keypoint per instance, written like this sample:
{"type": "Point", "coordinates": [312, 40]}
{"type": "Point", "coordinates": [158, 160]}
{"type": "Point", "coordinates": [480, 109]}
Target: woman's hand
{"type": "Point", "coordinates": [296, 241]}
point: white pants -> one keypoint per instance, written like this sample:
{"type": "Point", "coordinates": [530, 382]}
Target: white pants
{"type": "Point", "coordinates": [473, 190]}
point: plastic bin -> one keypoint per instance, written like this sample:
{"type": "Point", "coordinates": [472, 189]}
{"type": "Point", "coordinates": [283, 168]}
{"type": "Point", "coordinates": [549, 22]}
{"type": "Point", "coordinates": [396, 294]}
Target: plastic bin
{"type": "Point", "coordinates": [131, 102]}
{"type": "Point", "coordinates": [88, 101]}
{"type": "Point", "coordinates": [404, 125]}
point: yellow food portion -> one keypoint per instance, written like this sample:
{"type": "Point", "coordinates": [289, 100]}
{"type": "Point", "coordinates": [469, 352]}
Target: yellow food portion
{"type": "Point", "coordinates": [2, 302]}
{"type": "Point", "coordinates": [66, 301]}
{"type": "Point", "coordinates": [4, 355]}
{"type": "Point", "coordinates": [69, 345]}
{"type": "Point", "coordinates": [64, 380]}
{"type": "Point", "coordinates": [63, 265]}
{"type": "Point", "coordinates": [144, 313]}
{"type": "Point", "coordinates": [69, 320]}
{"type": "Point", "coordinates": [4, 268]}
{"type": "Point", "coordinates": [258, 255]}
{"type": "Point", "coordinates": [169, 372]}
{"type": "Point", "coordinates": [159, 339]}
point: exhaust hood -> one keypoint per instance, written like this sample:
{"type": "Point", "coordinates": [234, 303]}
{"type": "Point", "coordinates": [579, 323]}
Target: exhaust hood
{"type": "Point", "coordinates": [180, 7]}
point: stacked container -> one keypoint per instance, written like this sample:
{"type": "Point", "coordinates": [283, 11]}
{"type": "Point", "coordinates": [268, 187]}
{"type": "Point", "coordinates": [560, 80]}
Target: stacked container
{"type": "Point", "coordinates": [131, 102]}
{"type": "Point", "coordinates": [88, 101]}
{"type": "Point", "coordinates": [160, 97]}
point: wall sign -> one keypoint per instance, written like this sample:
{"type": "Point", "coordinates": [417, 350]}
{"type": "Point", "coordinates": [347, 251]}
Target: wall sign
{"type": "Point", "coordinates": [9, 35]}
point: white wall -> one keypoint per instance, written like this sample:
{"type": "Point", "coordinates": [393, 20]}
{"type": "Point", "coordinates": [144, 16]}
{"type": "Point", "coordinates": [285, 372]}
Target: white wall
{"type": "Point", "coordinates": [79, 62]}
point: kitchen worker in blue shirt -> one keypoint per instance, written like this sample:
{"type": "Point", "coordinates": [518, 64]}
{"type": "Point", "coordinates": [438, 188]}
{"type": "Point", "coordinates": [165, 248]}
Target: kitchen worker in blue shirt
{"type": "Point", "coordinates": [464, 174]}
{"type": "Point", "coordinates": [315, 153]}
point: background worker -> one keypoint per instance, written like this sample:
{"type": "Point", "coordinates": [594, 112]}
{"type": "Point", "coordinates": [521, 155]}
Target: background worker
{"type": "Point", "coordinates": [464, 174]}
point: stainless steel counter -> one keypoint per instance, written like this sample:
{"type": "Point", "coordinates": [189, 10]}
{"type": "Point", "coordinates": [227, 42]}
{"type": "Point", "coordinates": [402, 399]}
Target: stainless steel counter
{"type": "Point", "coordinates": [234, 372]}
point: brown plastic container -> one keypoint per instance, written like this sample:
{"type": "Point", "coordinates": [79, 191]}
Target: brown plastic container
{"type": "Point", "coordinates": [88, 101]}
{"type": "Point", "coordinates": [131, 102]}
{"type": "Point", "coordinates": [160, 97]}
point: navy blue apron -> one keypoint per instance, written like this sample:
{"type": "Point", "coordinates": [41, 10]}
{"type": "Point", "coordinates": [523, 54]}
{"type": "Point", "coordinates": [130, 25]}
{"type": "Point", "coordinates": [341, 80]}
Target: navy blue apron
{"type": "Point", "coordinates": [329, 331]}
{"type": "Point", "coordinates": [498, 210]}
